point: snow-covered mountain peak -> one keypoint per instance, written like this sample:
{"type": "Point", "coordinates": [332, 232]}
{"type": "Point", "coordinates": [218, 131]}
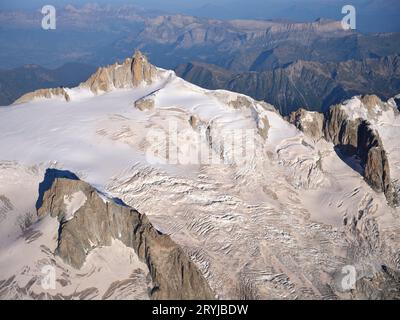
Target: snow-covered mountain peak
{"type": "Point", "coordinates": [262, 210]}
{"type": "Point", "coordinates": [135, 71]}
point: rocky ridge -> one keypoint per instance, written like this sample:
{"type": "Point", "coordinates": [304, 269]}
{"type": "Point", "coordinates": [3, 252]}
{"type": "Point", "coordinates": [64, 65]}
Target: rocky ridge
{"type": "Point", "coordinates": [131, 73]}
{"type": "Point", "coordinates": [354, 136]}
{"type": "Point", "coordinates": [89, 220]}
{"type": "Point", "coordinates": [44, 94]}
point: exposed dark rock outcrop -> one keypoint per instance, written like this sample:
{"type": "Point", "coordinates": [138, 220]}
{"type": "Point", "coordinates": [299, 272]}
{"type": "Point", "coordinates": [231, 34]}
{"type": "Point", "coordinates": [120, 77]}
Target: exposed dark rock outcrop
{"type": "Point", "coordinates": [339, 129]}
{"type": "Point", "coordinates": [311, 123]}
{"type": "Point", "coordinates": [397, 101]}
{"type": "Point", "coordinates": [356, 137]}
{"type": "Point", "coordinates": [97, 221]}
{"type": "Point", "coordinates": [353, 138]}
{"type": "Point", "coordinates": [373, 155]}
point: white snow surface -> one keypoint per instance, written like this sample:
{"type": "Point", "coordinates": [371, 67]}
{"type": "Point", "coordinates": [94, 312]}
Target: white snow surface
{"type": "Point", "coordinates": [275, 224]}
{"type": "Point", "coordinates": [73, 203]}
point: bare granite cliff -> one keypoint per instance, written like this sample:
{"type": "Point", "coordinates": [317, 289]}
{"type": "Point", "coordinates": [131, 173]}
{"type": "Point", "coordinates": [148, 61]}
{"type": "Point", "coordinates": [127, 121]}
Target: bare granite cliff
{"type": "Point", "coordinates": [131, 73]}
{"type": "Point", "coordinates": [311, 123]}
{"type": "Point", "coordinates": [354, 137]}
{"type": "Point", "coordinates": [89, 220]}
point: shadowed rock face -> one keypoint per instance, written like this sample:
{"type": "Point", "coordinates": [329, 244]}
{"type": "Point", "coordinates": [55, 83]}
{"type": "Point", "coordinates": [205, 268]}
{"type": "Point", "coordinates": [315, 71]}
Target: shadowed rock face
{"type": "Point", "coordinates": [397, 101]}
{"type": "Point", "coordinates": [89, 220]}
{"type": "Point", "coordinates": [373, 155]}
{"type": "Point", "coordinates": [357, 137]}
{"type": "Point", "coordinates": [354, 137]}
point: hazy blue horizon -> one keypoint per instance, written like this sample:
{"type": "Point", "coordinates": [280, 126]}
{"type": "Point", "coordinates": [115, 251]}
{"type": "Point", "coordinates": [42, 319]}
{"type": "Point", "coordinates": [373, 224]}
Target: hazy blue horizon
{"type": "Point", "coordinates": [373, 15]}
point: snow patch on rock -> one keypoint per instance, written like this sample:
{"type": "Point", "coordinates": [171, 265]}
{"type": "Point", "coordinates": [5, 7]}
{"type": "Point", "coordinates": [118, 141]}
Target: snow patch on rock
{"type": "Point", "coordinates": [73, 203]}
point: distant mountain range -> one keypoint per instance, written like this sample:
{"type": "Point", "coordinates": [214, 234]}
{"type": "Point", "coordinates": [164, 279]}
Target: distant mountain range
{"type": "Point", "coordinates": [99, 35]}
{"type": "Point", "coordinates": [291, 65]}
{"type": "Point", "coordinates": [309, 84]}
{"type": "Point", "coordinates": [252, 45]}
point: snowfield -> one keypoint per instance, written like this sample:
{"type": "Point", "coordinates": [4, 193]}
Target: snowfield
{"type": "Point", "coordinates": [282, 225]}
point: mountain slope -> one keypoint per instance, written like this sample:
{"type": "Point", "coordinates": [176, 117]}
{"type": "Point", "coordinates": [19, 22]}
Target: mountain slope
{"type": "Point", "coordinates": [312, 85]}
{"type": "Point", "coordinates": [259, 208]}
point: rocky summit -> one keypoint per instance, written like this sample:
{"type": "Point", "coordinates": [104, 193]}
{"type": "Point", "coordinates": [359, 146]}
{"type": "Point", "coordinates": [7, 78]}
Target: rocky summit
{"type": "Point", "coordinates": [131, 73]}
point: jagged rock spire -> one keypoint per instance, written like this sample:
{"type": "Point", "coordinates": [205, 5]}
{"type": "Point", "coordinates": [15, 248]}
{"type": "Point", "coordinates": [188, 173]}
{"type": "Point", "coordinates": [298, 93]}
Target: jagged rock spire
{"type": "Point", "coordinates": [141, 69]}
{"type": "Point", "coordinates": [133, 72]}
